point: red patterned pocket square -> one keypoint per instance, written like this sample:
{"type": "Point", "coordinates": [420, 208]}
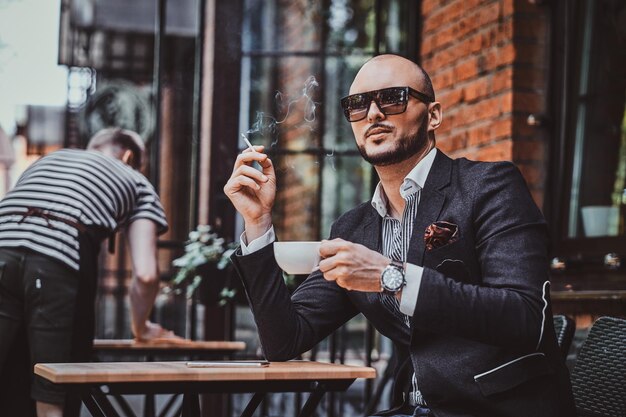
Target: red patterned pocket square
{"type": "Point", "coordinates": [440, 234]}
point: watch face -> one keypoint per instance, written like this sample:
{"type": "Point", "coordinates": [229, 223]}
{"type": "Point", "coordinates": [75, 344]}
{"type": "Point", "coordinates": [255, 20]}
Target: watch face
{"type": "Point", "coordinates": [392, 279]}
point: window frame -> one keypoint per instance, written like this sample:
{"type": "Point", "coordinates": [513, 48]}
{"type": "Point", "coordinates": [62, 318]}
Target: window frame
{"type": "Point", "coordinates": [225, 125]}
{"type": "Point", "coordinates": [582, 254]}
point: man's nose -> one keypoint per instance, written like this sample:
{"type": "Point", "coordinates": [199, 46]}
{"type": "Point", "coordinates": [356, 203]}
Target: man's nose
{"type": "Point", "coordinates": [374, 112]}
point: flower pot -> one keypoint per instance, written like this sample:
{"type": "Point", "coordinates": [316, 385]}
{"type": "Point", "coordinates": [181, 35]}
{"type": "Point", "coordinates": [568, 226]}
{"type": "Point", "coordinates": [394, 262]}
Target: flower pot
{"type": "Point", "coordinates": [213, 281]}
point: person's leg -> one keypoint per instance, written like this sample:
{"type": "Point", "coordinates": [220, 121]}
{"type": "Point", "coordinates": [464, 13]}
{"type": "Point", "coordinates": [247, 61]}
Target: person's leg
{"type": "Point", "coordinates": [51, 291]}
{"type": "Point", "coordinates": [14, 361]}
{"type": "Point", "coordinates": [49, 410]}
{"type": "Point", "coordinates": [8, 330]}
{"type": "Point", "coordinates": [9, 326]}
{"type": "Point", "coordinates": [11, 302]}
{"type": "Point", "coordinates": [16, 378]}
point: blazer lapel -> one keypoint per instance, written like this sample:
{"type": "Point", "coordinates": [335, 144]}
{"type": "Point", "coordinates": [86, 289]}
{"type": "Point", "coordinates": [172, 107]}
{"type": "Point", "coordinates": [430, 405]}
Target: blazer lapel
{"type": "Point", "coordinates": [432, 200]}
{"type": "Point", "coordinates": [371, 231]}
{"type": "Point", "coordinates": [370, 237]}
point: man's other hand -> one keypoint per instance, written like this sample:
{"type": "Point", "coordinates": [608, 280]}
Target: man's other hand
{"type": "Point", "coordinates": [252, 192]}
{"type": "Point", "coordinates": [352, 266]}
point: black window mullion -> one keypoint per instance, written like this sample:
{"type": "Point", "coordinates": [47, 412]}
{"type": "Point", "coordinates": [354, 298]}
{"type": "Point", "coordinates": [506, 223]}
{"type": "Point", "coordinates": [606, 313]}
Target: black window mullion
{"type": "Point", "coordinates": [321, 159]}
{"type": "Point", "coordinates": [378, 32]}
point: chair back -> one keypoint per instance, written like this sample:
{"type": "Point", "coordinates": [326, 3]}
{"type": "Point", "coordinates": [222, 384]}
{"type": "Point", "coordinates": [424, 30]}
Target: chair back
{"type": "Point", "coordinates": [599, 375]}
{"type": "Point", "coordinates": [564, 328]}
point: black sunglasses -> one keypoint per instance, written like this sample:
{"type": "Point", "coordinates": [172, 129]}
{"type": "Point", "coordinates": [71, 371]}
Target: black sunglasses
{"type": "Point", "coordinates": [390, 101]}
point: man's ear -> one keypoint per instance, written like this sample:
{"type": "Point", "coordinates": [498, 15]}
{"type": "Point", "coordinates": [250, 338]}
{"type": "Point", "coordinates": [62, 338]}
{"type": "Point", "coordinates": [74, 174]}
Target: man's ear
{"type": "Point", "coordinates": [435, 116]}
{"type": "Point", "coordinates": [128, 157]}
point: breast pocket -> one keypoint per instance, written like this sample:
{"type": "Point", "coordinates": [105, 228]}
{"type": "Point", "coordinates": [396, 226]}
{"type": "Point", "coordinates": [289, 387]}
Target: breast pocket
{"type": "Point", "coordinates": [447, 259]}
{"type": "Point", "coordinates": [455, 269]}
{"type": "Point", "coordinates": [450, 250]}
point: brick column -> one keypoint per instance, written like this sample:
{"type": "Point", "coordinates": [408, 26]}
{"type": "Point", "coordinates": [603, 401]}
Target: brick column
{"type": "Point", "coordinates": [487, 61]}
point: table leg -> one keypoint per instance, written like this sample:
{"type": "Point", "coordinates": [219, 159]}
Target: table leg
{"type": "Point", "coordinates": [148, 405]}
{"type": "Point", "coordinates": [330, 405]}
{"type": "Point", "coordinates": [313, 400]}
{"type": "Point", "coordinates": [103, 402]}
{"type": "Point", "coordinates": [191, 405]}
{"type": "Point", "coordinates": [168, 406]}
{"type": "Point", "coordinates": [121, 401]}
{"type": "Point", "coordinates": [92, 406]}
{"type": "Point", "coordinates": [253, 404]}
{"type": "Point", "coordinates": [297, 402]}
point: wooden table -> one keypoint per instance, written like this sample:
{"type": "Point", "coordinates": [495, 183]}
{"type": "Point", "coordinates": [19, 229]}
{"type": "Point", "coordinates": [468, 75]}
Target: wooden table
{"type": "Point", "coordinates": [166, 347]}
{"type": "Point", "coordinates": [129, 349]}
{"type": "Point", "coordinates": [94, 381]}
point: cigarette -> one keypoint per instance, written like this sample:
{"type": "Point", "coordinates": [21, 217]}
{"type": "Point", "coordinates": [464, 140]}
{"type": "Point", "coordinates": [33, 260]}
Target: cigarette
{"type": "Point", "coordinates": [248, 142]}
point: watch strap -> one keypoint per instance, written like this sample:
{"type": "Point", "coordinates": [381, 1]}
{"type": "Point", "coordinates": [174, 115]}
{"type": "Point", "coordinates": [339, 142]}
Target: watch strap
{"type": "Point", "coordinates": [398, 264]}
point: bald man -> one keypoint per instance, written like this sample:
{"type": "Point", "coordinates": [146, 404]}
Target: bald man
{"type": "Point", "coordinates": [448, 260]}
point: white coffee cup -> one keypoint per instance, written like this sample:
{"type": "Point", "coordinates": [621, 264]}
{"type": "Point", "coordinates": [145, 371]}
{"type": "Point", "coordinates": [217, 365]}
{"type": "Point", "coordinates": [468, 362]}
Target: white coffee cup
{"type": "Point", "coordinates": [298, 257]}
{"type": "Point", "coordinates": [600, 220]}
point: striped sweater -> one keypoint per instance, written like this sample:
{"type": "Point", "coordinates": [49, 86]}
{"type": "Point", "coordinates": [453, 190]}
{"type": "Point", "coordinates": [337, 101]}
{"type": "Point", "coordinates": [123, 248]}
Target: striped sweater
{"type": "Point", "coordinates": [85, 187]}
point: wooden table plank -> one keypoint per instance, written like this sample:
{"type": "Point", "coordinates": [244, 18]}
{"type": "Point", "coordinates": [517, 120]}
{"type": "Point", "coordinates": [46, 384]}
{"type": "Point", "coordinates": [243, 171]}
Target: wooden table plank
{"type": "Point", "coordinates": [113, 372]}
{"type": "Point", "coordinates": [167, 344]}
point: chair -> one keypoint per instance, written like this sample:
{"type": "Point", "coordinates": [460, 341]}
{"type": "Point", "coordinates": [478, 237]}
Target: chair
{"type": "Point", "coordinates": [599, 375]}
{"type": "Point", "coordinates": [386, 379]}
{"type": "Point", "coordinates": [565, 328]}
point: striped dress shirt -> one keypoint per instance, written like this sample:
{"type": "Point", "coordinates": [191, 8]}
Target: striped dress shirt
{"type": "Point", "coordinates": [396, 235]}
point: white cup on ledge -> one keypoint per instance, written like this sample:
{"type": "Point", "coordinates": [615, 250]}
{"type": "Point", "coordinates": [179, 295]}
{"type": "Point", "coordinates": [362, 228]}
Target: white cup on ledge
{"type": "Point", "coordinates": [600, 220]}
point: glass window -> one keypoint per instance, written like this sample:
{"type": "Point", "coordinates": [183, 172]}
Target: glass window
{"type": "Point", "coordinates": [298, 60]}
{"type": "Point", "coordinates": [597, 122]}
{"type": "Point", "coordinates": [119, 78]}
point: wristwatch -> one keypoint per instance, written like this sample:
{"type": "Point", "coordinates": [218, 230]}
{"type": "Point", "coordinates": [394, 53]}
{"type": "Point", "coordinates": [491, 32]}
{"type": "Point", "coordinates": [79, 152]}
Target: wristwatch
{"type": "Point", "coordinates": [392, 279]}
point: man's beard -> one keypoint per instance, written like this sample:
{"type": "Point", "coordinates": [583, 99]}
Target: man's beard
{"type": "Point", "coordinates": [405, 148]}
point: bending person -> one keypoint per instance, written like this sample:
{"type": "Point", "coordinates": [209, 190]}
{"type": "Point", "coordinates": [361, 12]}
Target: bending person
{"type": "Point", "coordinates": [51, 227]}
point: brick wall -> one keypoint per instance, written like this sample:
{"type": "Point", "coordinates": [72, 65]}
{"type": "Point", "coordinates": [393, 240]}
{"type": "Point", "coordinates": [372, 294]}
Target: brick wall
{"type": "Point", "coordinates": [487, 60]}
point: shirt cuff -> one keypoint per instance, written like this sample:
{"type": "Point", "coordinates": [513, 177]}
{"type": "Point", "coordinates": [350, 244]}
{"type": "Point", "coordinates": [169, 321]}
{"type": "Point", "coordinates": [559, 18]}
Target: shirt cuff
{"type": "Point", "coordinates": [408, 299]}
{"type": "Point", "coordinates": [258, 243]}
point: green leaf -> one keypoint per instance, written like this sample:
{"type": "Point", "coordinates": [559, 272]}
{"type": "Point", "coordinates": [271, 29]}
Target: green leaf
{"type": "Point", "coordinates": [203, 247]}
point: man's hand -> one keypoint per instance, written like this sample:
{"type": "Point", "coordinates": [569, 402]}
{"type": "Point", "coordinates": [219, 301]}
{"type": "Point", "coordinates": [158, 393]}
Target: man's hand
{"type": "Point", "coordinates": [252, 192]}
{"type": "Point", "coordinates": [352, 266]}
{"type": "Point", "coordinates": [153, 331]}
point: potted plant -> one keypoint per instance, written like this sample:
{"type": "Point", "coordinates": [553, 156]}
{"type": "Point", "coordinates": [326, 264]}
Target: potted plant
{"type": "Point", "coordinates": [204, 265]}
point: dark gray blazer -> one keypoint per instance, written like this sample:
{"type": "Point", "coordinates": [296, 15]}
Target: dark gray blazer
{"type": "Point", "coordinates": [481, 341]}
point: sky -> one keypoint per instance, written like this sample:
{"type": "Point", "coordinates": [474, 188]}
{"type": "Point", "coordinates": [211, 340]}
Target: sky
{"type": "Point", "coordinates": [29, 73]}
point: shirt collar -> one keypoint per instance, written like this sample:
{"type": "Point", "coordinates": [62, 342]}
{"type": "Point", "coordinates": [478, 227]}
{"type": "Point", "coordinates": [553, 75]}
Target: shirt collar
{"type": "Point", "coordinates": [413, 182]}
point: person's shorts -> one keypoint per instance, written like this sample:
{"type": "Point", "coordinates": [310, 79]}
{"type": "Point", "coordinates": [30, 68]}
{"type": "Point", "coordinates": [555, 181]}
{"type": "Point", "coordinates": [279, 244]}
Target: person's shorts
{"type": "Point", "coordinates": [40, 294]}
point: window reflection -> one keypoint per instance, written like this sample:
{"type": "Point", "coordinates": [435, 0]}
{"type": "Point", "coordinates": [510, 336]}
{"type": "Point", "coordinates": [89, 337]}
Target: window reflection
{"type": "Point", "coordinates": [598, 192]}
{"type": "Point", "coordinates": [284, 44]}
{"type": "Point", "coordinates": [340, 71]}
{"type": "Point", "coordinates": [351, 24]}
{"type": "Point", "coordinates": [109, 48]}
